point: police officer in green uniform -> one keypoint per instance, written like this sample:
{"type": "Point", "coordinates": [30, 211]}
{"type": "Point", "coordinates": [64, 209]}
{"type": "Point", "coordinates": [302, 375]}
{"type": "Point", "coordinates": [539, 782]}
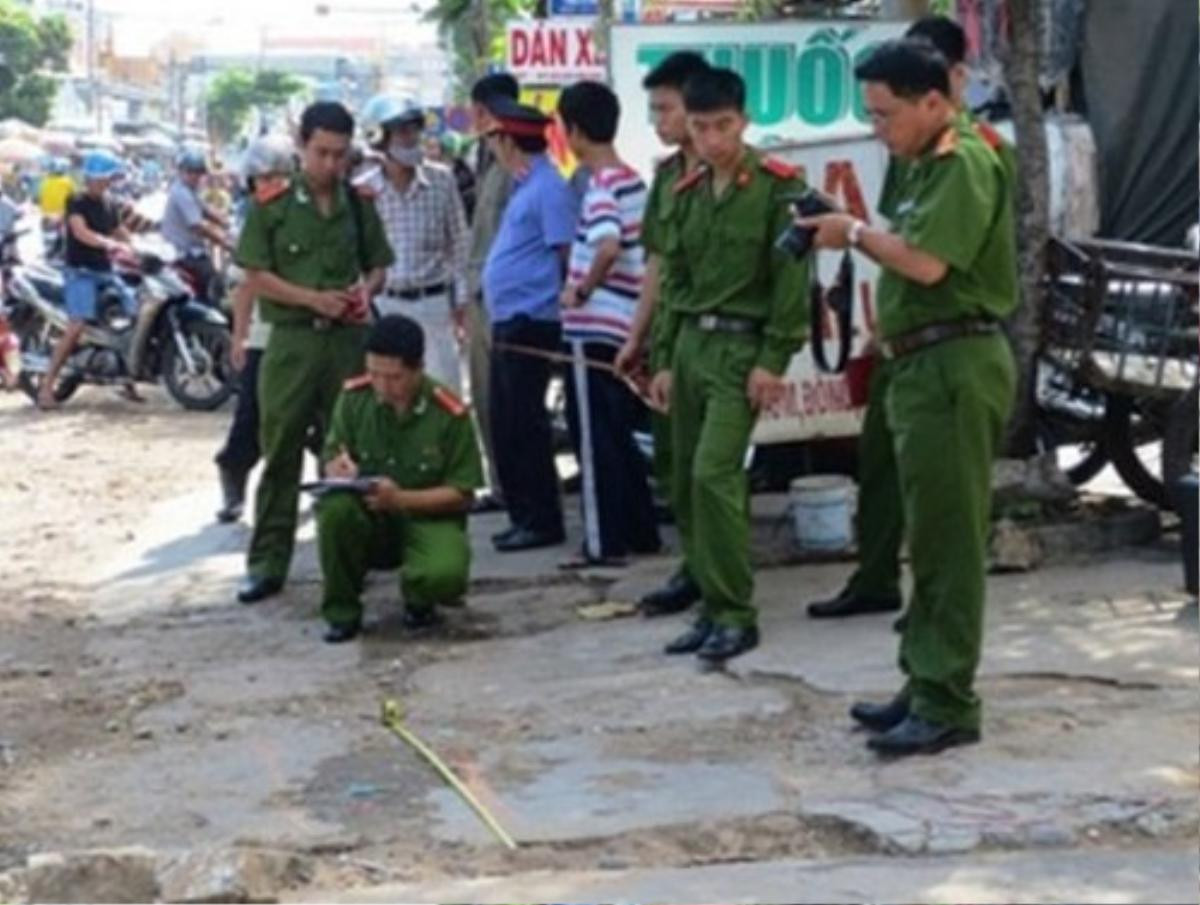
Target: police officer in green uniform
{"type": "Point", "coordinates": [662, 282]}
{"type": "Point", "coordinates": [729, 336]}
{"type": "Point", "coordinates": [875, 585]}
{"type": "Point", "coordinates": [313, 252]}
{"type": "Point", "coordinates": [948, 279]}
{"type": "Point", "coordinates": [416, 438]}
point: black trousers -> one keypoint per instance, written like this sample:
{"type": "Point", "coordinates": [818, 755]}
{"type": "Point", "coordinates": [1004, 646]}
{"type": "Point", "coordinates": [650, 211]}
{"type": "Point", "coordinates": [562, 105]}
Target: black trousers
{"type": "Point", "coordinates": [203, 272]}
{"type": "Point", "coordinates": [241, 451]}
{"type": "Point", "coordinates": [602, 413]}
{"type": "Point", "coordinates": [521, 431]}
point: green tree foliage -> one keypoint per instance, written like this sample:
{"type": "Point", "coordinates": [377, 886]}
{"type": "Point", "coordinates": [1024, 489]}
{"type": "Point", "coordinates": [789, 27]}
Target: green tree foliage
{"type": "Point", "coordinates": [235, 92]}
{"type": "Point", "coordinates": [474, 31]}
{"type": "Point", "coordinates": [32, 49]}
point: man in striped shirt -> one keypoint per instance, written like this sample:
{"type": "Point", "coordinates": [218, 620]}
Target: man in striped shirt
{"type": "Point", "coordinates": [598, 302]}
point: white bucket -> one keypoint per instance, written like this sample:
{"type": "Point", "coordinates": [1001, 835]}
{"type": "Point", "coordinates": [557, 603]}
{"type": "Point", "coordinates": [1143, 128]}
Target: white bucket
{"type": "Point", "coordinates": [821, 513]}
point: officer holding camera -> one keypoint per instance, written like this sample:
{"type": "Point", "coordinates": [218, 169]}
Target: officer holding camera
{"type": "Point", "coordinates": [729, 336]}
{"type": "Point", "coordinates": [948, 280]}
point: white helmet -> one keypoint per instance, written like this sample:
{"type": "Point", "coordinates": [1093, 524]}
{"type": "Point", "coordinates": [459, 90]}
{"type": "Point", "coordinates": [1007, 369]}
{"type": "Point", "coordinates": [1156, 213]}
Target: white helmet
{"type": "Point", "coordinates": [383, 111]}
{"type": "Point", "coordinates": [269, 155]}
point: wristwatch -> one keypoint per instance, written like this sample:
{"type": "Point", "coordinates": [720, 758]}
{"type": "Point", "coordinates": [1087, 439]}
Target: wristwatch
{"type": "Point", "coordinates": [581, 293]}
{"type": "Point", "coordinates": [854, 233]}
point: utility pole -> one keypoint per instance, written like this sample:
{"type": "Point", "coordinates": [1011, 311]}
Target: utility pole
{"type": "Point", "coordinates": [93, 87]}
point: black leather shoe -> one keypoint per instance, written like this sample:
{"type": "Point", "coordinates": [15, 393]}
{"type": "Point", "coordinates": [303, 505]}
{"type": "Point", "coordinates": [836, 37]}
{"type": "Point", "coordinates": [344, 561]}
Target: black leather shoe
{"type": "Point", "coordinates": [339, 634]}
{"type": "Point", "coordinates": [918, 736]}
{"type": "Point", "coordinates": [847, 603]}
{"type": "Point", "coordinates": [725, 643]}
{"type": "Point", "coordinates": [691, 640]}
{"type": "Point", "coordinates": [881, 717]}
{"type": "Point", "coordinates": [676, 596]}
{"type": "Point", "coordinates": [253, 589]}
{"type": "Point", "coordinates": [507, 532]}
{"type": "Point", "coordinates": [416, 620]}
{"type": "Point", "coordinates": [528, 539]}
{"type": "Point", "coordinates": [233, 494]}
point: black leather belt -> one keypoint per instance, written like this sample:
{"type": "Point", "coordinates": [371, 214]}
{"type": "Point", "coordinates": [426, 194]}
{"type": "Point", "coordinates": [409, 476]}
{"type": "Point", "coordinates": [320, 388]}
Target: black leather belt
{"type": "Point", "coordinates": [915, 341]}
{"type": "Point", "coordinates": [719, 323]}
{"type": "Point", "coordinates": [412, 295]}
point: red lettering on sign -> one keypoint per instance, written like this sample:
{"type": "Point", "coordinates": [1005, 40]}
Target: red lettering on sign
{"type": "Point", "coordinates": [583, 56]}
{"type": "Point", "coordinates": [558, 48]}
{"type": "Point", "coordinates": [520, 48]}
{"type": "Point", "coordinates": [868, 307]}
{"type": "Point", "coordinates": [841, 181]}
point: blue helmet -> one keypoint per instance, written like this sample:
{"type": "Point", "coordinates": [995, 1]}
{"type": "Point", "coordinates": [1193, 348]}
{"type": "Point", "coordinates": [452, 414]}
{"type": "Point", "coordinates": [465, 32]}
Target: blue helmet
{"type": "Point", "coordinates": [383, 111]}
{"type": "Point", "coordinates": [193, 161]}
{"type": "Point", "coordinates": [102, 165]}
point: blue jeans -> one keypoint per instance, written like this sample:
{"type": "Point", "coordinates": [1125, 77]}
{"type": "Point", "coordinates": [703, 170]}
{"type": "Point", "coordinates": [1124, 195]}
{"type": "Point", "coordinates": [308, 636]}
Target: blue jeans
{"type": "Point", "coordinates": [82, 288]}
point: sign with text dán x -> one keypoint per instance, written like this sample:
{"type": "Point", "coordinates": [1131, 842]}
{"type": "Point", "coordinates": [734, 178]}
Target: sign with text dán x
{"type": "Point", "coordinates": [555, 51]}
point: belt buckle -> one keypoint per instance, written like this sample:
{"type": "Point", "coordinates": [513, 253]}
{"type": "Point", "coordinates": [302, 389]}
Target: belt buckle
{"type": "Point", "coordinates": [321, 324]}
{"type": "Point", "coordinates": [887, 350]}
{"type": "Point", "coordinates": [707, 322]}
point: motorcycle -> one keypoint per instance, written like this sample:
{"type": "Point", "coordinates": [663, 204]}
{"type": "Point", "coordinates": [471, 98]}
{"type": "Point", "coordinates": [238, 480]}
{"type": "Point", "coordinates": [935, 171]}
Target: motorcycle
{"type": "Point", "coordinates": [173, 336]}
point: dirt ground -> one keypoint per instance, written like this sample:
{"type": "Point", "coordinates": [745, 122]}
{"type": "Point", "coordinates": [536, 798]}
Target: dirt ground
{"type": "Point", "coordinates": [139, 704]}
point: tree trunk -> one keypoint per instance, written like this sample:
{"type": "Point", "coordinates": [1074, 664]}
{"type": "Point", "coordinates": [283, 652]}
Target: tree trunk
{"type": "Point", "coordinates": [1021, 70]}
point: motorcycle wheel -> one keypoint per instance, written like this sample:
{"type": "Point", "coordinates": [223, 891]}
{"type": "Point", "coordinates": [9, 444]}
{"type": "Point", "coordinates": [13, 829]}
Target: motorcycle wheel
{"type": "Point", "coordinates": [1057, 430]}
{"type": "Point", "coordinates": [213, 383]}
{"type": "Point", "coordinates": [36, 340]}
{"type": "Point", "coordinates": [1135, 429]}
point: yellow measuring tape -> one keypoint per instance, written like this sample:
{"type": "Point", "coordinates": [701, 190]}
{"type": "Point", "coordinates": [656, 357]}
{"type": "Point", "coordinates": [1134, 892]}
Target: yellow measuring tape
{"type": "Point", "coordinates": [392, 716]}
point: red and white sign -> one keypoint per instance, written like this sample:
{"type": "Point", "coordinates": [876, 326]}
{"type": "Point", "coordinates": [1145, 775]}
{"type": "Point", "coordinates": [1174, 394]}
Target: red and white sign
{"type": "Point", "coordinates": [555, 51]}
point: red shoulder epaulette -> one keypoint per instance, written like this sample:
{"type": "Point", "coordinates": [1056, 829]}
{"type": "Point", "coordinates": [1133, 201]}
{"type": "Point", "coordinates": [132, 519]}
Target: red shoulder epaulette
{"type": "Point", "coordinates": [991, 137]}
{"type": "Point", "coordinates": [451, 403]}
{"type": "Point", "coordinates": [778, 168]}
{"type": "Point", "coordinates": [357, 383]}
{"type": "Point", "coordinates": [266, 192]}
{"type": "Point", "coordinates": [690, 180]}
{"type": "Point", "coordinates": [947, 144]}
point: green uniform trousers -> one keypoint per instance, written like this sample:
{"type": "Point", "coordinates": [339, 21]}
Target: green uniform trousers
{"type": "Point", "coordinates": [947, 407]}
{"type": "Point", "coordinates": [432, 553]}
{"type": "Point", "coordinates": [880, 505]}
{"type": "Point", "coordinates": [711, 422]}
{"type": "Point", "coordinates": [299, 380]}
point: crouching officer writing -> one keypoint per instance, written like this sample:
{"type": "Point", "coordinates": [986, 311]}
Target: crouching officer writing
{"type": "Point", "coordinates": [416, 439]}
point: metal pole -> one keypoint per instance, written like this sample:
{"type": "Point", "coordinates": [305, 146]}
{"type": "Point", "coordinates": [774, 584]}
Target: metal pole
{"type": "Point", "coordinates": [93, 88]}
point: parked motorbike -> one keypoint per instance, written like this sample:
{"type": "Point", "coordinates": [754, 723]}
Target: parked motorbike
{"type": "Point", "coordinates": [173, 336]}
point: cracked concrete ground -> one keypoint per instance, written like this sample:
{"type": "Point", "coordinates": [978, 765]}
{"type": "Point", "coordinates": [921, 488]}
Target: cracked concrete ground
{"type": "Point", "coordinates": [141, 706]}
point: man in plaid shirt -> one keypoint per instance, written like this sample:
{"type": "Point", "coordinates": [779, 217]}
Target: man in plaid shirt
{"type": "Point", "coordinates": [423, 216]}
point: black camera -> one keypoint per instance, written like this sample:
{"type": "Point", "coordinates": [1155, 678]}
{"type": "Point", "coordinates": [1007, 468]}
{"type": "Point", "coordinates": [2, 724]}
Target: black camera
{"type": "Point", "coordinates": [797, 240]}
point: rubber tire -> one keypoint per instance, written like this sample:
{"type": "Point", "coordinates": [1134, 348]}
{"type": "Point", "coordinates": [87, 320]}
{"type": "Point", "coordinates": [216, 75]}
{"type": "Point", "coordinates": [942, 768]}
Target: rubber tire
{"type": "Point", "coordinates": [1180, 441]}
{"type": "Point", "coordinates": [171, 363]}
{"type": "Point", "coordinates": [1051, 433]}
{"type": "Point", "coordinates": [66, 385]}
{"type": "Point", "coordinates": [1122, 448]}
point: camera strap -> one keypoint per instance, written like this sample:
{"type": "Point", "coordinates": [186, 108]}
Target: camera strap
{"type": "Point", "coordinates": [839, 299]}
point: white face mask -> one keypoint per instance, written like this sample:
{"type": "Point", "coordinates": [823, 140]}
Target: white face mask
{"type": "Point", "coordinates": [406, 157]}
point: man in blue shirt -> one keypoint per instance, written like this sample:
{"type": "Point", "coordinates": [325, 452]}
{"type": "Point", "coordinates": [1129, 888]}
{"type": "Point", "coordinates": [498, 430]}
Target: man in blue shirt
{"type": "Point", "coordinates": [522, 280]}
{"type": "Point", "coordinates": [189, 224]}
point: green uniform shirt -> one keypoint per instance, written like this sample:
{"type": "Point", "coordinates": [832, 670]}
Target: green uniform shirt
{"type": "Point", "coordinates": [953, 202]}
{"type": "Point", "coordinates": [660, 233]}
{"type": "Point", "coordinates": [290, 237]}
{"type": "Point", "coordinates": [728, 263]}
{"type": "Point", "coordinates": [893, 179]}
{"type": "Point", "coordinates": [431, 445]}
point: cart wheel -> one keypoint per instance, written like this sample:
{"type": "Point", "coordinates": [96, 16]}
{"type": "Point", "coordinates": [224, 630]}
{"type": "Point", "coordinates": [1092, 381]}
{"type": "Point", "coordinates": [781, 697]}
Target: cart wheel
{"type": "Point", "coordinates": [1135, 429]}
{"type": "Point", "coordinates": [1180, 442]}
